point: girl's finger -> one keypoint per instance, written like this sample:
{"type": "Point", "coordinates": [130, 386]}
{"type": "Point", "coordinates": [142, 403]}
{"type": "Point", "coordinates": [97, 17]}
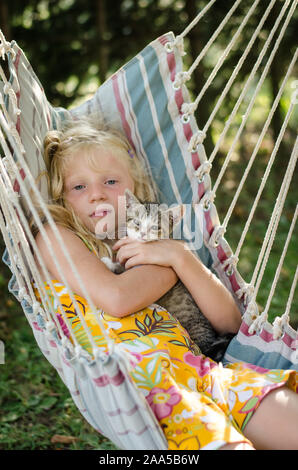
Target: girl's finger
{"type": "Point", "coordinates": [133, 261]}
{"type": "Point", "coordinates": [122, 242]}
{"type": "Point", "coordinates": [126, 252]}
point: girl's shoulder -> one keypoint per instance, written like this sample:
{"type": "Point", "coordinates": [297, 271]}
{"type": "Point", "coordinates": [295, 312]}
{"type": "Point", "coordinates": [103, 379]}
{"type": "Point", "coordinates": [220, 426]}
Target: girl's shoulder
{"type": "Point", "coordinates": [86, 243]}
{"type": "Point", "coordinates": [58, 238]}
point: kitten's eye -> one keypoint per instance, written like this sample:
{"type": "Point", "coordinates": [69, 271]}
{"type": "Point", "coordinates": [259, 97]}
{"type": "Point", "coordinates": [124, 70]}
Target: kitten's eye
{"type": "Point", "coordinates": [137, 222]}
{"type": "Point", "coordinates": [154, 227]}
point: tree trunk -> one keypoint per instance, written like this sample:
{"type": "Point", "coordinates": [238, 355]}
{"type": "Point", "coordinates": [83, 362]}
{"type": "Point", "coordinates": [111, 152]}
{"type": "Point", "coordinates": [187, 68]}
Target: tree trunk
{"type": "Point", "coordinates": [101, 27]}
{"type": "Point", "coordinates": [4, 20]}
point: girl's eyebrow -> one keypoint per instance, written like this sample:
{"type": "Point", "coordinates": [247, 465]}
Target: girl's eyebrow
{"type": "Point", "coordinates": [77, 176]}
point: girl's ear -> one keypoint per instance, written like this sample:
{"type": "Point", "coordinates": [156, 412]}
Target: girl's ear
{"type": "Point", "coordinates": [130, 198]}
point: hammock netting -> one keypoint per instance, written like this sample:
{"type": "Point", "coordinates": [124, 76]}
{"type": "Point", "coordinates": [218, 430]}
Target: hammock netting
{"type": "Point", "coordinates": [148, 100]}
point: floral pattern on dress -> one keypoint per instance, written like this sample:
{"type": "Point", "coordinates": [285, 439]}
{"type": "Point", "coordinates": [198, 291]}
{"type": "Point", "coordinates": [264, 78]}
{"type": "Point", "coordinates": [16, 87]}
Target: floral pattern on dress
{"type": "Point", "coordinates": [199, 404]}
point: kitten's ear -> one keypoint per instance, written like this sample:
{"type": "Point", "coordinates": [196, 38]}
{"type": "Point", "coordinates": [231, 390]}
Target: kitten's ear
{"type": "Point", "coordinates": [130, 198]}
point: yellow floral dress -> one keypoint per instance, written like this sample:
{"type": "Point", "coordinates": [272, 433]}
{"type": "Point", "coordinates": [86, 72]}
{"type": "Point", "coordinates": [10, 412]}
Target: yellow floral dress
{"type": "Point", "coordinates": [199, 404]}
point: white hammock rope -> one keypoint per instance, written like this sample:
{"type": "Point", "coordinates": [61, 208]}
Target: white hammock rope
{"type": "Point", "coordinates": [263, 182]}
{"type": "Point", "coordinates": [240, 185]}
{"type": "Point", "coordinates": [222, 229]}
{"type": "Point", "coordinates": [52, 224]}
{"type": "Point", "coordinates": [290, 298]}
{"type": "Point", "coordinates": [14, 220]}
{"type": "Point", "coordinates": [272, 157]}
{"type": "Point", "coordinates": [278, 323]}
{"type": "Point", "coordinates": [199, 138]}
{"type": "Point", "coordinates": [253, 98]}
{"type": "Point", "coordinates": [179, 39]}
{"type": "Point", "coordinates": [270, 236]}
{"type": "Point", "coordinates": [185, 76]}
{"type": "Point", "coordinates": [11, 132]}
{"type": "Point", "coordinates": [275, 217]}
{"type": "Point", "coordinates": [235, 71]}
{"type": "Point", "coordinates": [191, 108]}
{"type": "Point", "coordinates": [13, 227]}
{"type": "Point", "coordinates": [246, 87]}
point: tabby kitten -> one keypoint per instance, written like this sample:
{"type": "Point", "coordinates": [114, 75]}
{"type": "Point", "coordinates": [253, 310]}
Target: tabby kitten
{"type": "Point", "coordinates": [149, 222]}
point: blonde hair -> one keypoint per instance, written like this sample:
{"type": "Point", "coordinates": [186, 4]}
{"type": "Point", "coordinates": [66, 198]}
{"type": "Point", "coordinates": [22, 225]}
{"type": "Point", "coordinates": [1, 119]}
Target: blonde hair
{"type": "Point", "coordinates": [59, 146]}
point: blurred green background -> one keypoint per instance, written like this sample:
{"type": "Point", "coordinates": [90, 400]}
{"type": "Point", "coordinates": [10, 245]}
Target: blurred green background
{"type": "Point", "coordinates": [73, 46]}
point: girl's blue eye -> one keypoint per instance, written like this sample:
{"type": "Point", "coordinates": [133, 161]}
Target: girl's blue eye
{"type": "Point", "coordinates": [78, 187]}
{"type": "Point", "coordinates": [111, 182]}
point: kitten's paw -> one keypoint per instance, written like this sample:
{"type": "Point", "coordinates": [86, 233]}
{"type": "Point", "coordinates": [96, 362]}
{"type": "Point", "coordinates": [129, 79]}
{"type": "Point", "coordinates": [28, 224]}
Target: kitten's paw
{"type": "Point", "coordinates": [115, 267]}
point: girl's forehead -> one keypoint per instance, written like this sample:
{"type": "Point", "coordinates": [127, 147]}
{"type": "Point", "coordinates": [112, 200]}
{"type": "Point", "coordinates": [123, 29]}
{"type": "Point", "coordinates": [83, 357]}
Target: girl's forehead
{"type": "Point", "coordinates": [98, 159]}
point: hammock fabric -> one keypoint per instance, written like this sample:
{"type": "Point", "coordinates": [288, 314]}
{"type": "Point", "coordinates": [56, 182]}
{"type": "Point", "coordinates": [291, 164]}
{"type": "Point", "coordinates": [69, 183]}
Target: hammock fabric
{"type": "Point", "coordinates": [145, 101]}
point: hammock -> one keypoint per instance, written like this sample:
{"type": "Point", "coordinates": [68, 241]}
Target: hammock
{"type": "Point", "coordinates": [148, 100]}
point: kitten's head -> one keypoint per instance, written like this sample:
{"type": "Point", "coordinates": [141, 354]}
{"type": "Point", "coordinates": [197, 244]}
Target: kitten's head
{"type": "Point", "coordinates": [150, 221]}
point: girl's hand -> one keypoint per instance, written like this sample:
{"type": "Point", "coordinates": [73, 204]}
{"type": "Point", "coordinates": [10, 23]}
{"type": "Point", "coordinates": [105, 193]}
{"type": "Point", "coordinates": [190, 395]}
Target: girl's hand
{"type": "Point", "coordinates": [161, 252]}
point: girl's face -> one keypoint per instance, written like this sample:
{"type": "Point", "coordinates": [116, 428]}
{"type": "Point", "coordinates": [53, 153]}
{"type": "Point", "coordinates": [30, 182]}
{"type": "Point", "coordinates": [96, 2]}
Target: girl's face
{"type": "Point", "coordinates": [93, 194]}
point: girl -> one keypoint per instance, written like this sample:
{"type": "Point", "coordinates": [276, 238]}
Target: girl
{"type": "Point", "coordinates": [200, 404]}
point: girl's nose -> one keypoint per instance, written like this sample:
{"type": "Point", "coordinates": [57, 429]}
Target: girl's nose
{"type": "Point", "coordinates": [96, 193]}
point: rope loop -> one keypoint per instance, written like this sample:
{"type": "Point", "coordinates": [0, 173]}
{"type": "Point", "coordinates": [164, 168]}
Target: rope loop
{"type": "Point", "coordinates": [231, 264]}
{"type": "Point", "coordinates": [252, 310]}
{"type": "Point", "coordinates": [207, 200]}
{"type": "Point", "coordinates": [217, 233]}
{"type": "Point", "coordinates": [169, 47]}
{"type": "Point", "coordinates": [6, 163]}
{"type": "Point", "coordinates": [278, 327]}
{"type": "Point", "coordinates": [188, 109]}
{"type": "Point", "coordinates": [294, 356]}
{"type": "Point", "coordinates": [78, 351]}
{"type": "Point", "coordinates": [13, 196]}
{"type": "Point", "coordinates": [258, 323]}
{"type": "Point", "coordinates": [9, 91]}
{"type": "Point", "coordinates": [21, 294]}
{"type": "Point", "coordinates": [178, 43]}
{"type": "Point", "coordinates": [36, 307]}
{"type": "Point", "coordinates": [5, 47]}
{"type": "Point", "coordinates": [50, 327]}
{"type": "Point", "coordinates": [247, 290]}
{"type": "Point", "coordinates": [204, 169]}
{"type": "Point", "coordinates": [14, 133]}
{"type": "Point", "coordinates": [180, 79]}
{"type": "Point", "coordinates": [196, 140]}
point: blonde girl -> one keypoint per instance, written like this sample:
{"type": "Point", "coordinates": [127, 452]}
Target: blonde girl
{"type": "Point", "coordinates": [199, 404]}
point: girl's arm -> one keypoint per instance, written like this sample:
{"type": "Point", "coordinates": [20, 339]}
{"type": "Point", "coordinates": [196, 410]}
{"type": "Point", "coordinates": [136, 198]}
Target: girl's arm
{"type": "Point", "coordinates": [211, 296]}
{"type": "Point", "coordinates": [116, 294]}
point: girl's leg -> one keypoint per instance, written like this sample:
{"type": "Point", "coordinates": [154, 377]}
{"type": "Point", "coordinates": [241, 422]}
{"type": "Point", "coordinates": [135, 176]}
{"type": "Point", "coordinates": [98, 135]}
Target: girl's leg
{"type": "Point", "coordinates": [274, 425]}
{"type": "Point", "coordinates": [237, 446]}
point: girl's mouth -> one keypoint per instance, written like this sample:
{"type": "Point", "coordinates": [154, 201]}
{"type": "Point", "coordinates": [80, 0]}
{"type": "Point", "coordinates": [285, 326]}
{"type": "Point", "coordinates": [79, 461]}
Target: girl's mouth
{"type": "Point", "coordinates": [100, 213]}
